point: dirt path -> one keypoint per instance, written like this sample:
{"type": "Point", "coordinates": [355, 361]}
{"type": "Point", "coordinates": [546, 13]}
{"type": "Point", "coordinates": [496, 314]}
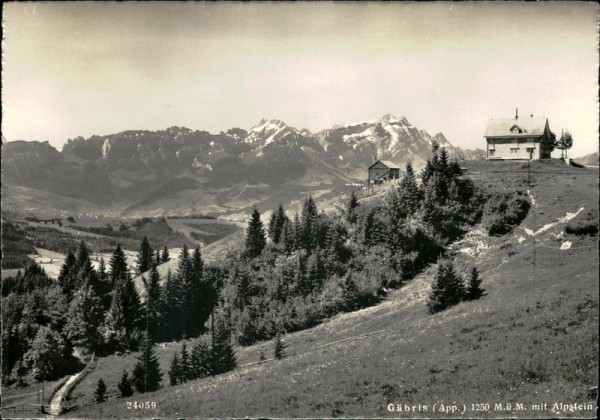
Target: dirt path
{"type": "Point", "coordinates": [55, 403]}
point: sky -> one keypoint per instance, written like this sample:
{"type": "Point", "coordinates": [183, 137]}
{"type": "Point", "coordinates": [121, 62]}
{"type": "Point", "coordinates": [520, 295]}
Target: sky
{"type": "Point", "coordinates": [79, 69]}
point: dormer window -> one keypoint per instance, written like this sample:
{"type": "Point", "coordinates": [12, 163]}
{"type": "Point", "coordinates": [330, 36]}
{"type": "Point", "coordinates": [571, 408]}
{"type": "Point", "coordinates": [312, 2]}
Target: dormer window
{"type": "Point", "coordinates": [515, 129]}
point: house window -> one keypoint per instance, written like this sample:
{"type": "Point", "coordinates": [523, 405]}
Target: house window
{"type": "Point", "coordinates": [514, 150]}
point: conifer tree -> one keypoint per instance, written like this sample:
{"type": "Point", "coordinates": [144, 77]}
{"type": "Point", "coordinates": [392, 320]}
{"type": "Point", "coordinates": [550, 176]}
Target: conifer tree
{"type": "Point", "coordinates": [67, 278]}
{"type": "Point", "coordinates": [153, 304]}
{"type": "Point", "coordinates": [255, 235]}
{"type": "Point", "coordinates": [223, 356]}
{"type": "Point", "coordinates": [118, 266]}
{"type": "Point", "coordinates": [194, 294]}
{"type": "Point", "coordinates": [165, 255]}
{"type": "Point", "coordinates": [288, 238]}
{"type": "Point", "coordinates": [443, 161]}
{"type": "Point", "coordinates": [409, 194]}
{"type": "Point", "coordinates": [242, 283]}
{"type": "Point", "coordinates": [349, 292]}
{"type": "Point", "coordinates": [297, 232]}
{"type": "Point", "coordinates": [146, 373]}
{"type": "Point", "coordinates": [144, 256]}
{"type": "Point", "coordinates": [184, 362]}
{"type": "Point", "coordinates": [315, 272]}
{"type": "Point", "coordinates": [84, 319]}
{"type": "Point", "coordinates": [157, 260]}
{"type": "Point", "coordinates": [368, 229]}
{"type": "Point", "coordinates": [197, 263]}
{"type": "Point", "coordinates": [104, 288]}
{"type": "Point", "coordinates": [83, 254]}
{"type": "Point", "coordinates": [175, 370]}
{"type": "Point", "coordinates": [474, 290]}
{"type": "Point", "coordinates": [124, 385]}
{"type": "Point", "coordinates": [351, 208]}
{"type": "Point", "coordinates": [309, 224]}
{"type": "Point", "coordinates": [100, 391]}
{"type": "Point", "coordinates": [125, 313]}
{"type": "Point", "coordinates": [184, 264]}
{"type": "Point", "coordinates": [171, 308]}
{"type": "Point", "coordinates": [447, 289]}
{"type": "Point", "coordinates": [278, 347]}
{"type": "Point", "coordinates": [200, 360]}
{"type": "Point", "coordinates": [276, 224]}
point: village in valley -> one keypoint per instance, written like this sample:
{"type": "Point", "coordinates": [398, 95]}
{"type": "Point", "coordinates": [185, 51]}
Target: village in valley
{"type": "Point", "coordinates": [259, 269]}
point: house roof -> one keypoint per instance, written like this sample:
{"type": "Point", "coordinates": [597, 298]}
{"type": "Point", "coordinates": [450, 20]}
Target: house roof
{"type": "Point", "coordinates": [516, 127]}
{"type": "Point", "coordinates": [389, 164]}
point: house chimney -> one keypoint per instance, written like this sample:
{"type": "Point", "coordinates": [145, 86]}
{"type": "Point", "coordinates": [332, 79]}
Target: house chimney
{"type": "Point", "coordinates": [517, 114]}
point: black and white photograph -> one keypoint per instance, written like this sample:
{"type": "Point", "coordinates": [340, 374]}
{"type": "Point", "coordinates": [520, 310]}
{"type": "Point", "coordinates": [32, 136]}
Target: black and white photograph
{"type": "Point", "coordinates": [313, 209]}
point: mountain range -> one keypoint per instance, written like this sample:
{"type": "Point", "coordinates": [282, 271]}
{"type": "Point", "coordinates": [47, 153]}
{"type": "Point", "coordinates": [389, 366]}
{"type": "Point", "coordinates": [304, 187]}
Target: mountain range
{"type": "Point", "coordinates": [181, 171]}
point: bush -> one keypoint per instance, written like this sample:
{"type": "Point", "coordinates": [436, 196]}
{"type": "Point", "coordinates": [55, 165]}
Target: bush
{"type": "Point", "coordinates": [590, 229]}
{"type": "Point", "coordinates": [503, 212]}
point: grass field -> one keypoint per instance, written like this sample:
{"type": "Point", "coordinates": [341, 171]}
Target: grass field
{"type": "Point", "coordinates": [205, 231]}
{"type": "Point", "coordinates": [532, 340]}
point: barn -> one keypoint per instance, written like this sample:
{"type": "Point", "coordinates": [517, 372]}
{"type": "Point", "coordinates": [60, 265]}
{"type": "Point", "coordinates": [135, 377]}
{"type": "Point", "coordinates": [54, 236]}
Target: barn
{"type": "Point", "coordinates": [518, 138]}
{"type": "Point", "coordinates": [383, 170]}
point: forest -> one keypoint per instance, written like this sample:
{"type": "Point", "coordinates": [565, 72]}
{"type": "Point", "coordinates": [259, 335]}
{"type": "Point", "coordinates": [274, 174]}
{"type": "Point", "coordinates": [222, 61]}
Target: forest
{"type": "Point", "coordinates": [294, 272]}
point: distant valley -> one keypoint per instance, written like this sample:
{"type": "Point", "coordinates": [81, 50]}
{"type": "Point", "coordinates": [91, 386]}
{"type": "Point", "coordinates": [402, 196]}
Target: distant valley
{"type": "Point", "coordinates": [180, 171]}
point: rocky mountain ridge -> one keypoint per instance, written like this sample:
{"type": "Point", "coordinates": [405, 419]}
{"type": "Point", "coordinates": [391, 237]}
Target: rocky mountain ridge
{"type": "Point", "coordinates": [140, 170]}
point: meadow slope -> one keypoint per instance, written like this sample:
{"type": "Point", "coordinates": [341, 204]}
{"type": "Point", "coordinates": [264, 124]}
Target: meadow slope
{"type": "Point", "coordinates": [533, 339]}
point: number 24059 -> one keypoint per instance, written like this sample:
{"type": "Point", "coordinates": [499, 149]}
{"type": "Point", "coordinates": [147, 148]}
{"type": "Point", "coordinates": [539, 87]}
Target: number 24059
{"type": "Point", "coordinates": [141, 405]}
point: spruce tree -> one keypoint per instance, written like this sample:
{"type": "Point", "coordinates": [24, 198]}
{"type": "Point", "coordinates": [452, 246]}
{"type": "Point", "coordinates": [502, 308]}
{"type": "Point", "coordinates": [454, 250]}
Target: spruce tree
{"type": "Point", "coordinates": [184, 363]}
{"type": "Point", "coordinates": [242, 283]}
{"type": "Point", "coordinates": [288, 238]}
{"type": "Point", "coordinates": [124, 385]}
{"type": "Point", "coordinates": [409, 194]}
{"type": "Point", "coordinates": [276, 224]}
{"type": "Point", "coordinates": [153, 304]}
{"type": "Point", "coordinates": [368, 229]}
{"type": "Point", "coordinates": [124, 317]}
{"type": "Point", "coordinates": [157, 260]}
{"type": "Point", "coordinates": [104, 288]}
{"type": "Point", "coordinates": [184, 264]}
{"type": "Point", "coordinates": [349, 293]}
{"type": "Point", "coordinates": [144, 256]}
{"type": "Point", "coordinates": [83, 254]}
{"type": "Point", "coordinates": [171, 308]}
{"type": "Point", "coordinates": [165, 255]}
{"type": "Point", "coordinates": [175, 370]}
{"type": "Point", "coordinates": [223, 356]}
{"type": "Point", "coordinates": [200, 360]}
{"type": "Point", "coordinates": [315, 272]}
{"type": "Point", "coordinates": [118, 266]}
{"type": "Point", "coordinates": [255, 235]}
{"type": "Point", "coordinates": [278, 347]}
{"type": "Point", "coordinates": [100, 391]}
{"type": "Point", "coordinates": [447, 289]}
{"type": "Point", "coordinates": [67, 278]}
{"type": "Point", "coordinates": [351, 208]}
{"type": "Point", "coordinates": [146, 373]}
{"type": "Point", "coordinates": [474, 290]}
{"type": "Point", "coordinates": [309, 224]}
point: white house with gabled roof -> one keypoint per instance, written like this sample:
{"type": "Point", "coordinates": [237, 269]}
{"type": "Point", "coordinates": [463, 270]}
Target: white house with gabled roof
{"type": "Point", "coordinates": [518, 138]}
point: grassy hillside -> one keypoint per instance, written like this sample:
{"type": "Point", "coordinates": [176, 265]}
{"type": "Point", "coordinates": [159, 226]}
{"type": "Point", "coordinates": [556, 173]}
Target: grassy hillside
{"type": "Point", "coordinates": [532, 339]}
